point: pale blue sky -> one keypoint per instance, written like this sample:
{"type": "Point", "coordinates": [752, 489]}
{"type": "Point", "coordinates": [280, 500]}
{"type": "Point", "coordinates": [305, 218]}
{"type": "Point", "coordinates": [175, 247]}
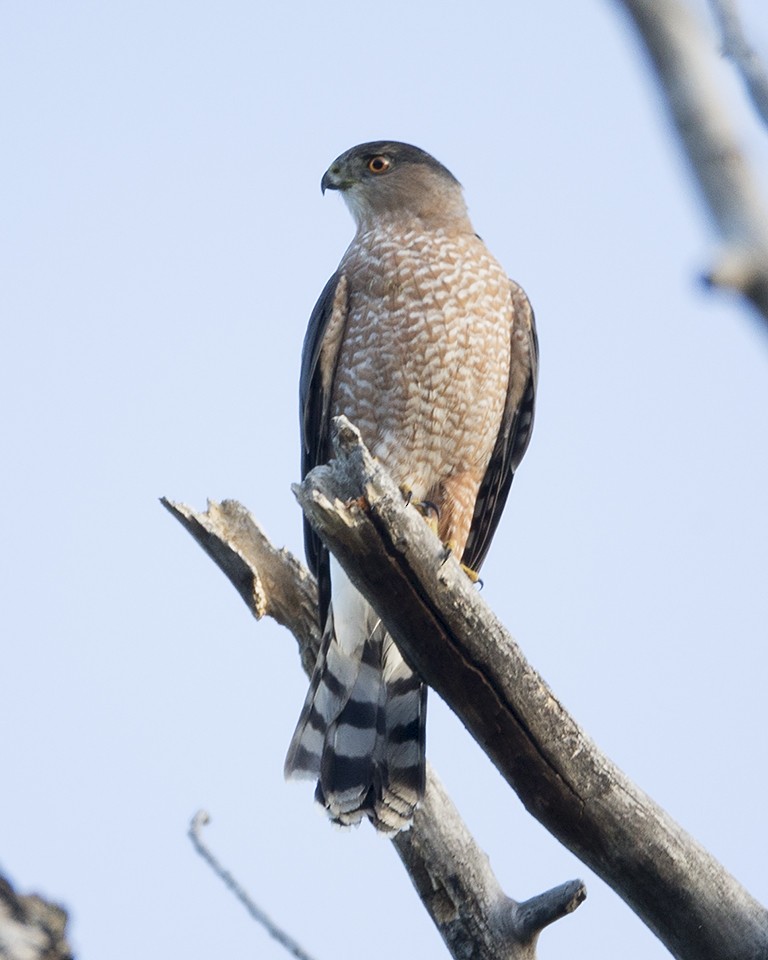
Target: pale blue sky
{"type": "Point", "coordinates": [163, 242]}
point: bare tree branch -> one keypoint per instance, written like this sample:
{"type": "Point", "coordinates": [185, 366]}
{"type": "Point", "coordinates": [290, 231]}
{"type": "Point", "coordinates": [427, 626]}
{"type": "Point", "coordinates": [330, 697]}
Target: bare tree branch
{"type": "Point", "coordinates": [451, 873]}
{"type": "Point", "coordinates": [271, 581]}
{"type": "Point", "coordinates": [200, 820]}
{"type": "Point", "coordinates": [735, 46]}
{"type": "Point", "coordinates": [461, 893]}
{"type": "Point", "coordinates": [447, 633]}
{"type": "Point", "coordinates": [684, 61]}
{"type": "Point", "coordinates": [31, 928]}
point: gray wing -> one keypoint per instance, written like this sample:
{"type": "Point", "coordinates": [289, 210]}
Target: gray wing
{"type": "Point", "coordinates": [514, 434]}
{"type": "Point", "coordinates": [318, 367]}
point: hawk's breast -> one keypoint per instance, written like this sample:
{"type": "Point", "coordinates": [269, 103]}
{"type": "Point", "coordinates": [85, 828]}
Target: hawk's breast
{"type": "Point", "coordinates": [424, 363]}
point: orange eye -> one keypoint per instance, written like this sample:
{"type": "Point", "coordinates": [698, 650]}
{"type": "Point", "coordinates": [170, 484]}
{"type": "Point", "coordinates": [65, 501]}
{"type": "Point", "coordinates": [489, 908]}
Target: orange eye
{"type": "Point", "coordinates": [379, 164]}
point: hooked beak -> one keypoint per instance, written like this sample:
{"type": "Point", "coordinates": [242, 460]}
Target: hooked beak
{"type": "Point", "coordinates": [332, 179]}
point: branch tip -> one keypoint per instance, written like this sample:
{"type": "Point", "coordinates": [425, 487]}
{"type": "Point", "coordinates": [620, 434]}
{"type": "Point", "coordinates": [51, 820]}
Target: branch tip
{"type": "Point", "coordinates": [201, 819]}
{"type": "Point", "coordinates": [345, 434]}
{"type": "Point", "coordinates": [533, 915]}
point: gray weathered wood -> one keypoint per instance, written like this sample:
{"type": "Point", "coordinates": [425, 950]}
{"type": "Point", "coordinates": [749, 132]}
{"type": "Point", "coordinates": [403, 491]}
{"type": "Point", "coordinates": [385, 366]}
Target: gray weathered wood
{"type": "Point", "coordinates": [449, 635]}
{"type": "Point", "coordinates": [683, 57]}
{"type": "Point", "coordinates": [451, 873]}
{"type": "Point", "coordinates": [31, 928]}
{"type": "Point", "coordinates": [735, 45]}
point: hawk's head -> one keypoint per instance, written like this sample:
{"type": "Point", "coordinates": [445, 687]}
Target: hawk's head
{"type": "Point", "coordinates": [387, 180]}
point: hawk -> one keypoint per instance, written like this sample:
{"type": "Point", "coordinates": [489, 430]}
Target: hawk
{"type": "Point", "coordinates": [423, 342]}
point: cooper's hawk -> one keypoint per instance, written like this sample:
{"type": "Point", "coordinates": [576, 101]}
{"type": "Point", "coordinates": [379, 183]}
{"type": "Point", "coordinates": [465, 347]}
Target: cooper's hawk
{"type": "Point", "coordinates": [422, 341]}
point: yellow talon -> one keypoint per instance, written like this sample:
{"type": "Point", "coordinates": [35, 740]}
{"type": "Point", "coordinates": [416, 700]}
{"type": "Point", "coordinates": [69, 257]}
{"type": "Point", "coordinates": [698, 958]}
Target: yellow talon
{"type": "Point", "coordinates": [474, 576]}
{"type": "Point", "coordinates": [429, 510]}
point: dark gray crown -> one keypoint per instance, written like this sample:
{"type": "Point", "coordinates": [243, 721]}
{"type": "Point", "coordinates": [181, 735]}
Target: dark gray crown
{"type": "Point", "coordinates": [397, 152]}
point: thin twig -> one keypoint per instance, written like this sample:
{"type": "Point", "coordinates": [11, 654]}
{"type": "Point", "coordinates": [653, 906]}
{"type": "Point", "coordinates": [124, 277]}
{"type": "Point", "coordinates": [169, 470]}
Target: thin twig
{"type": "Point", "coordinates": [200, 819]}
{"type": "Point", "coordinates": [736, 47]}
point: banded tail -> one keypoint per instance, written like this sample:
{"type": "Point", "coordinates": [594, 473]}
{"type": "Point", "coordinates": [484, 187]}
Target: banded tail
{"type": "Point", "coordinates": [361, 732]}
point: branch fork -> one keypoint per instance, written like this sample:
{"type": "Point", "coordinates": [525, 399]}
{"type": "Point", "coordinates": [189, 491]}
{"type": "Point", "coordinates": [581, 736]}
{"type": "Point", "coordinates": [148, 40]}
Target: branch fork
{"type": "Point", "coordinates": [447, 633]}
{"type": "Point", "coordinates": [452, 875]}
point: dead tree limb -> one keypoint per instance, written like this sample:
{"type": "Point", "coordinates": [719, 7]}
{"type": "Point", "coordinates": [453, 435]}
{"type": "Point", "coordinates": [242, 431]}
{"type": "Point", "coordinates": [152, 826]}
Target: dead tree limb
{"type": "Point", "coordinates": [454, 641]}
{"type": "Point", "coordinates": [451, 873]}
{"type": "Point", "coordinates": [737, 48]}
{"type": "Point", "coordinates": [31, 928]}
{"type": "Point", "coordinates": [683, 57]}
